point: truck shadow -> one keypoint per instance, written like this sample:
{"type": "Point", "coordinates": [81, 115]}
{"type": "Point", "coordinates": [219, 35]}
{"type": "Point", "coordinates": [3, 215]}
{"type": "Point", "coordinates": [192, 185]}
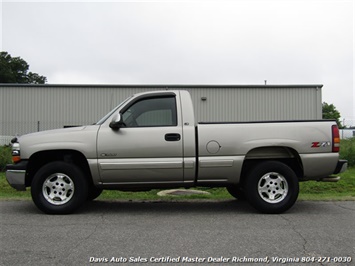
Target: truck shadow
{"type": "Point", "coordinates": [139, 207]}
{"type": "Point", "coordinates": [166, 207]}
{"type": "Point", "coordinates": [183, 207]}
{"type": "Point", "coordinates": [190, 207]}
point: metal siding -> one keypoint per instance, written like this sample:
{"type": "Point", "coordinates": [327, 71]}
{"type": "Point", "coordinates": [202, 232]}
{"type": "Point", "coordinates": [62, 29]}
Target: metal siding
{"type": "Point", "coordinates": [58, 106]}
{"type": "Point", "coordinates": [256, 104]}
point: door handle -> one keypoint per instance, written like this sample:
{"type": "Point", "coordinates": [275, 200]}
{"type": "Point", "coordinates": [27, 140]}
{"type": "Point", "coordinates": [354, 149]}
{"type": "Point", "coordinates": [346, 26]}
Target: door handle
{"type": "Point", "coordinates": [172, 137]}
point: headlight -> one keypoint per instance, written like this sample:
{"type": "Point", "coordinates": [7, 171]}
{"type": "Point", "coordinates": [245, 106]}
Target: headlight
{"type": "Point", "coordinates": [16, 154]}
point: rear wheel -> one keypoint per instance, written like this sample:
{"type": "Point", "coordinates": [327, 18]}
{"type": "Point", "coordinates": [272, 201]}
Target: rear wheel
{"type": "Point", "coordinates": [59, 188]}
{"type": "Point", "coordinates": [272, 187]}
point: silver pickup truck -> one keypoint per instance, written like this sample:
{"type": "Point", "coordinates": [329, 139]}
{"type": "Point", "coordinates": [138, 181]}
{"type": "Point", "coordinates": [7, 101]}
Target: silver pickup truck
{"type": "Point", "coordinates": [152, 140]}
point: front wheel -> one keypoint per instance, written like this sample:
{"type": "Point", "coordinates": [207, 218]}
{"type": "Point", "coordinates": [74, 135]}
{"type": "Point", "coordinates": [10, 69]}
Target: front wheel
{"type": "Point", "coordinates": [59, 188]}
{"type": "Point", "coordinates": [272, 187]}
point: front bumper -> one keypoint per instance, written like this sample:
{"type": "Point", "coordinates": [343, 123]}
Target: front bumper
{"type": "Point", "coordinates": [16, 175]}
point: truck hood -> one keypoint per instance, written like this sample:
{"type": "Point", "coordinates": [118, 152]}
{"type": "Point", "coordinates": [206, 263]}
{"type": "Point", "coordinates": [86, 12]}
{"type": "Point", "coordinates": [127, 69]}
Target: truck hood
{"type": "Point", "coordinates": [82, 139]}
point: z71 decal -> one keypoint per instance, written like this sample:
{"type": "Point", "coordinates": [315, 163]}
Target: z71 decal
{"type": "Point", "coordinates": [318, 144]}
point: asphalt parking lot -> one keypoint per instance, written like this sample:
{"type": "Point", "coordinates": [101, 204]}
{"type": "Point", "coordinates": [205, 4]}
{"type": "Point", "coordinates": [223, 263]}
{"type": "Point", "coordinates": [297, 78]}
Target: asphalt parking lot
{"type": "Point", "coordinates": [178, 233]}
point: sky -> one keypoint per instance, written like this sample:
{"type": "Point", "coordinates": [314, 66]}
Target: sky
{"type": "Point", "coordinates": [241, 42]}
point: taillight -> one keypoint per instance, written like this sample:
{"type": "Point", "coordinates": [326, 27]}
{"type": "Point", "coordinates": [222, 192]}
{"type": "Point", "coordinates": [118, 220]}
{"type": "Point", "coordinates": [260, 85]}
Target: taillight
{"type": "Point", "coordinates": [336, 138]}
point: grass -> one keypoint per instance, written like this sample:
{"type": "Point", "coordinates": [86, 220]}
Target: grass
{"type": "Point", "coordinates": [342, 190]}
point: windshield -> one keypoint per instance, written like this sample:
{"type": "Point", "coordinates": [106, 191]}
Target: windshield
{"type": "Point", "coordinates": [102, 120]}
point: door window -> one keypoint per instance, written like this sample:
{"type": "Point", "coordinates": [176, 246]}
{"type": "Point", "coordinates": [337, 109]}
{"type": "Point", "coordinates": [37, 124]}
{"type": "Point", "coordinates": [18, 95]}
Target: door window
{"type": "Point", "coordinates": [151, 112]}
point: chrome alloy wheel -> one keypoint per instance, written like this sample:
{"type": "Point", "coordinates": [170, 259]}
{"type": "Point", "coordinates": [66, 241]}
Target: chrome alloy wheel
{"type": "Point", "coordinates": [58, 189]}
{"type": "Point", "coordinates": [273, 187]}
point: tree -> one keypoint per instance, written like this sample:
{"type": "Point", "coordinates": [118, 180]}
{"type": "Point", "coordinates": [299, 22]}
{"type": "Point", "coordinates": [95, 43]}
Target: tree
{"type": "Point", "coordinates": [329, 111]}
{"type": "Point", "coordinates": [15, 70]}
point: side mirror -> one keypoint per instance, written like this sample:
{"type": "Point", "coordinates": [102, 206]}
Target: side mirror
{"type": "Point", "coordinates": [116, 122]}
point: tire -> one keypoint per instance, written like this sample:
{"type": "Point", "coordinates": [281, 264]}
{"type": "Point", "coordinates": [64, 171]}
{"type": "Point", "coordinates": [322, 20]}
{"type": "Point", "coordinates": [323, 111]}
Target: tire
{"type": "Point", "coordinates": [272, 187]}
{"type": "Point", "coordinates": [236, 191]}
{"type": "Point", "coordinates": [59, 188]}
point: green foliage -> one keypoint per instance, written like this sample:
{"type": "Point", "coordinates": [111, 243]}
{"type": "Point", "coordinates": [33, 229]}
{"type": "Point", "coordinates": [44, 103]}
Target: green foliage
{"type": "Point", "coordinates": [15, 70]}
{"type": "Point", "coordinates": [329, 111]}
{"type": "Point", "coordinates": [347, 151]}
{"type": "Point", "coordinates": [5, 157]}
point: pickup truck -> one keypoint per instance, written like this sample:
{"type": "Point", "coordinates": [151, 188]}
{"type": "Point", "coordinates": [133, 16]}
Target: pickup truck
{"type": "Point", "coordinates": [151, 140]}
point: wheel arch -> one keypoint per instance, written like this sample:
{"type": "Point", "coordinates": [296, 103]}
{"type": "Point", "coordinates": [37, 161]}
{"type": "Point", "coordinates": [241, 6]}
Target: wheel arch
{"type": "Point", "coordinates": [39, 159]}
{"type": "Point", "coordinates": [286, 155]}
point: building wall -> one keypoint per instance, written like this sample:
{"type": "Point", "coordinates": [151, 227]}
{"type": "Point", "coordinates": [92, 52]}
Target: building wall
{"type": "Point", "coordinates": [257, 104]}
{"type": "Point", "coordinates": [30, 108]}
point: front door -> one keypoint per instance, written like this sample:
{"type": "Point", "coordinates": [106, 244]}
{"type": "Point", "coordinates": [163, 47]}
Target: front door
{"type": "Point", "coordinates": [148, 148]}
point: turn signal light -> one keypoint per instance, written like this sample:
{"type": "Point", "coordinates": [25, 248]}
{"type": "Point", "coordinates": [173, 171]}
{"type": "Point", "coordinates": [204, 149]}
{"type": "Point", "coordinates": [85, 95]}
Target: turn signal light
{"type": "Point", "coordinates": [16, 159]}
